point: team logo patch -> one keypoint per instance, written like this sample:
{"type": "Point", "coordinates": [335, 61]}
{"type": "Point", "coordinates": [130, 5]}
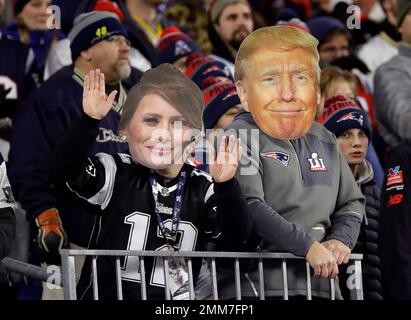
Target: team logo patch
{"type": "Point", "coordinates": [395, 176]}
{"type": "Point", "coordinates": [181, 48]}
{"type": "Point", "coordinates": [395, 199]}
{"type": "Point", "coordinates": [356, 116]}
{"type": "Point", "coordinates": [91, 169]}
{"type": "Point", "coordinates": [316, 163]}
{"type": "Point", "coordinates": [280, 156]}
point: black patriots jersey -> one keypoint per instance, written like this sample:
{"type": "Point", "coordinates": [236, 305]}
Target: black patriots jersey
{"type": "Point", "coordinates": [14, 82]}
{"type": "Point", "coordinates": [128, 221]}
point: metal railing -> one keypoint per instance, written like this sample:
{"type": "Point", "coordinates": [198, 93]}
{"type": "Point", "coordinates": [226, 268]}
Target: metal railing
{"type": "Point", "coordinates": [69, 281]}
{"type": "Point", "coordinates": [26, 269]}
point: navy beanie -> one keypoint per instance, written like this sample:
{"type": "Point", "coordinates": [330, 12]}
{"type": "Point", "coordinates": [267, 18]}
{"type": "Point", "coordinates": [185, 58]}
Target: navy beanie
{"type": "Point", "coordinates": [91, 28]}
{"type": "Point", "coordinates": [218, 99]}
{"type": "Point", "coordinates": [174, 44]}
{"type": "Point", "coordinates": [341, 114]}
{"type": "Point", "coordinates": [321, 26]}
{"type": "Point", "coordinates": [203, 68]}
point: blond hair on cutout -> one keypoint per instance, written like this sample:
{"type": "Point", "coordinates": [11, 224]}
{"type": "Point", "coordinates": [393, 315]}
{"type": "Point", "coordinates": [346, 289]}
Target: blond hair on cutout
{"type": "Point", "coordinates": [278, 38]}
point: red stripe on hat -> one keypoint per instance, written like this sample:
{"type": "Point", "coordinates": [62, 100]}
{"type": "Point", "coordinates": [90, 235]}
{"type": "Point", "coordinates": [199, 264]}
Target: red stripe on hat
{"type": "Point", "coordinates": [105, 5]}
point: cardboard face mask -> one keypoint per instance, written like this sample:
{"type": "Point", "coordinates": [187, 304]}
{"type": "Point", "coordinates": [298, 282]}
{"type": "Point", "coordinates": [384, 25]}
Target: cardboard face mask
{"type": "Point", "coordinates": [279, 88]}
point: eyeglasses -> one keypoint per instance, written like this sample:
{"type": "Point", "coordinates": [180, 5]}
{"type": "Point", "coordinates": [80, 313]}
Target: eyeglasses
{"type": "Point", "coordinates": [118, 40]}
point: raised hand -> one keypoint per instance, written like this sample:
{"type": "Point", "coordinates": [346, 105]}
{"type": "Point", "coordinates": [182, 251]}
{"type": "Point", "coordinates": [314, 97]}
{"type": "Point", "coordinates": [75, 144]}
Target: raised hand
{"type": "Point", "coordinates": [95, 102]}
{"type": "Point", "coordinates": [223, 164]}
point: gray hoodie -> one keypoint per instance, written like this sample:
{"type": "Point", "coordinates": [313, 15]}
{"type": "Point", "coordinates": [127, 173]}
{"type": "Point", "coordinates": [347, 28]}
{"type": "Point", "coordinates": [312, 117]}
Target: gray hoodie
{"type": "Point", "coordinates": [298, 191]}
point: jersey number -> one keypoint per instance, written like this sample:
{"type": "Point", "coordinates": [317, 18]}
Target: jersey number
{"type": "Point", "coordinates": [137, 240]}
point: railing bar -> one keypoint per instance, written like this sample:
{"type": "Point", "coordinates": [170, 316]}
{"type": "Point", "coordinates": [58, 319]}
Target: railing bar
{"type": "Point", "coordinates": [214, 278]}
{"type": "Point", "coordinates": [166, 273]}
{"type": "Point", "coordinates": [95, 279]}
{"type": "Point", "coordinates": [359, 289]}
{"type": "Point", "coordinates": [69, 276]}
{"type": "Point", "coordinates": [285, 282]}
{"type": "Point", "coordinates": [190, 279]}
{"type": "Point", "coordinates": [261, 278]}
{"type": "Point", "coordinates": [143, 279]}
{"type": "Point", "coordinates": [332, 287]}
{"type": "Point", "coordinates": [308, 272]}
{"type": "Point", "coordinates": [118, 280]}
{"type": "Point", "coordinates": [237, 279]}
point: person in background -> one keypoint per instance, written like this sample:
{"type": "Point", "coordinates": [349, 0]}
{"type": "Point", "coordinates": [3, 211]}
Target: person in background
{"type": "Point", "coordinates": [175, 46]}
{"type": "Point", "coordinates": [395, 225]}
{"type": "Point", "coordinates": [392, 83]}
{"type": "Point", "coordinates": [222, 103]}
{"type": "Point", "coordinates": [231, 21]}
{"type": "Point", "coordinates": [205, 70]}
{"type": "Point", "coordinates": [145, 24]}
{"type": "Point", "coordinates": [343, 117]}
{"type": "Point", "coordinates": [335, 81]}
{"type": "Point", "coordinates": [383, 46]}
{"type": "Point", "coordinates": [334, 39]}
{"type": "Point", "coordinates": [192, 17]}
{"type": "Point", "coordinates": [32, 28]}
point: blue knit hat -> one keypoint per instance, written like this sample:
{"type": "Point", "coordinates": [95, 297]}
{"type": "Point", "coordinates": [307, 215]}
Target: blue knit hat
{"type": "Point", "coordinates": [203, 68]}
{"type": "Point", "coordinates": [175, 44]}
{"type": "Point", "coordinates": [218, 99]}
{"type": "Point", "coordinates": [91, 28]}
{"type": "Point", "coordinates": [341, 114]}
{"type": "Point", "coordinates": [321, 26]}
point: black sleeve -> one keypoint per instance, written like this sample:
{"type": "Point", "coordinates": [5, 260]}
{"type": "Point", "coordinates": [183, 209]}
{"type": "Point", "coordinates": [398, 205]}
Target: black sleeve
{"type": "Point", "coordinates": [71, 166]}
{"type": "Point", "coordinates": [7, 230]}
{"type": "Point", "coordinates": [273, 228]}
{"type": "Point", "coordinates": [395, 225]}
{"type": "Point", "coordinates": [233, 217]}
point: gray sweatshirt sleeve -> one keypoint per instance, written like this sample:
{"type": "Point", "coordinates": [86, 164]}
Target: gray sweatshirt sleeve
{"type": "Point", "coordinates": [350, 208]}
{"type": "Point", "coordinates": [392, 97]}
{"type": "Point", "coordinates": [267, 223]}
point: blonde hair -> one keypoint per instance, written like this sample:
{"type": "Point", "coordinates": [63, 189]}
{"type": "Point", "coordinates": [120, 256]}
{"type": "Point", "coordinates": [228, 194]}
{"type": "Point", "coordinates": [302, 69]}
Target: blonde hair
{"type": "Point", "coordinates": [278, 38]}
{"type": "Point", "coordinates": [331, 74]}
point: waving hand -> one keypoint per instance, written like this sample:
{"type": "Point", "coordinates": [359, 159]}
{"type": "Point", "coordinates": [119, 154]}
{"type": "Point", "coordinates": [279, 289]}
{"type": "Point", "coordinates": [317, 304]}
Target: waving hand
{"type": "Point", "coordinates": [95, 102]}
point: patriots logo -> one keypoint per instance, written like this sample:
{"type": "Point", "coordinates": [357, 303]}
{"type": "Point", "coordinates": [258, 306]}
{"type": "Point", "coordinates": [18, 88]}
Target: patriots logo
{"type": "Point", "coordinates": [280, 156]}
{"type": "Point", "coordinates": [356, 116]}
{"type": "Point", "coordinates": [91, 169]}
{"type": "Point", "coordinates": [181, 48]}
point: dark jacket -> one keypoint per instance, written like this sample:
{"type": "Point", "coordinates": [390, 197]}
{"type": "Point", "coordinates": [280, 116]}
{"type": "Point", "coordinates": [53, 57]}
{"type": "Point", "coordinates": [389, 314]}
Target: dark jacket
{"type": "Point", "coordinates": [395, 227]}
{"type": "Point", "coordinates": [7, 217]}
{"type": "Point", "coordinates": [138, 38]}
{"type": "Point", "coordinates": [367, 243]}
